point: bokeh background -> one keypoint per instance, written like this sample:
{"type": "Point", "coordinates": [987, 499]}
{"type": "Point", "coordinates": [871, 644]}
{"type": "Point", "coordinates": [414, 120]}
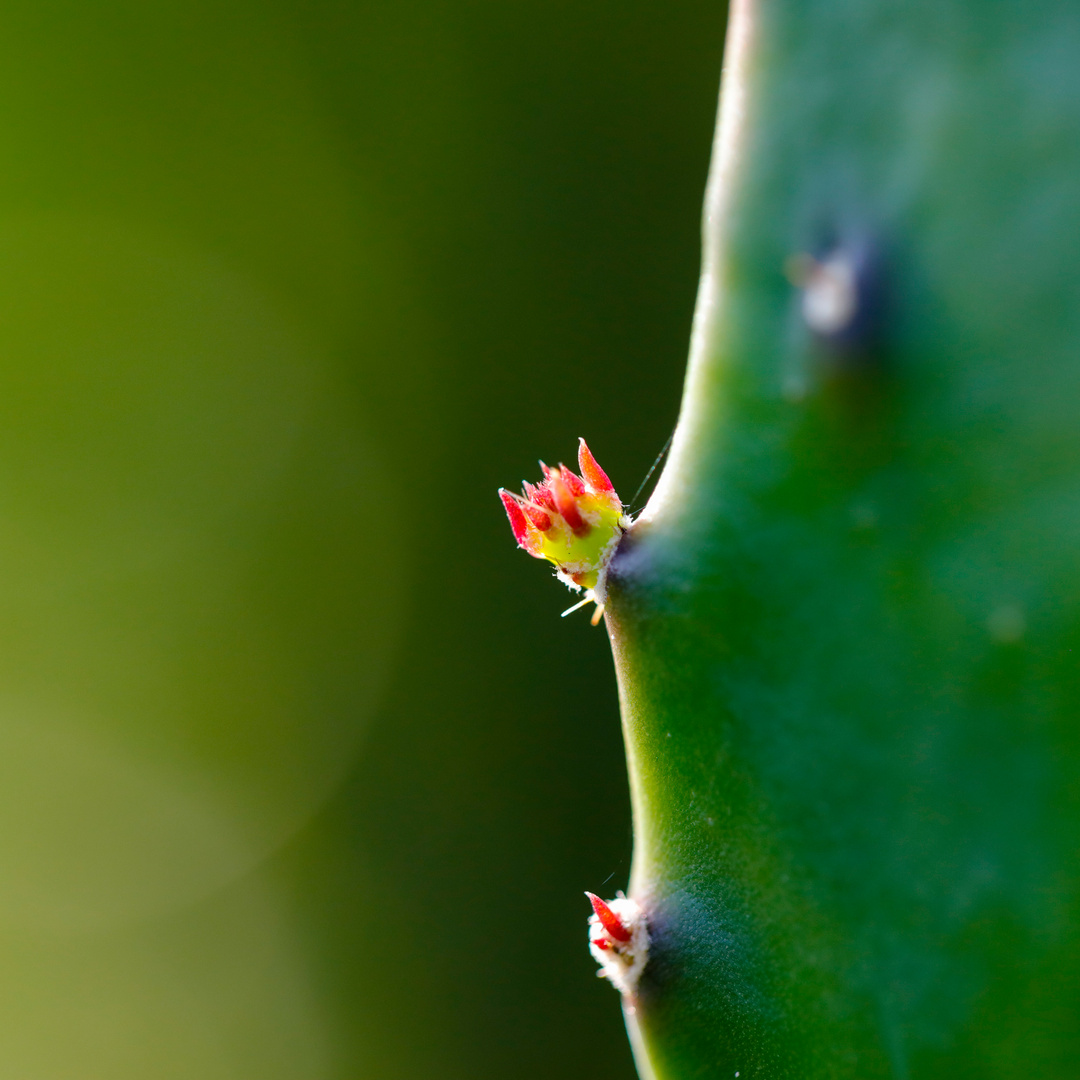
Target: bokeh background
{"type": "Point", "coordinates": [301, 775]}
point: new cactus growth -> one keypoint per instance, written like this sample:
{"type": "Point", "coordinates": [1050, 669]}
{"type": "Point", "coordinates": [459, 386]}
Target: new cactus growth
{"type": "Point", "coordinates": [575, 522]}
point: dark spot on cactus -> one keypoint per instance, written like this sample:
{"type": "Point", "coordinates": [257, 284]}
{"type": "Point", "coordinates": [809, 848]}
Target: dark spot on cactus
{"type": "Point", "coordinates": [841, 304]}
{"type": "Point", "coordinates": [840, 362]}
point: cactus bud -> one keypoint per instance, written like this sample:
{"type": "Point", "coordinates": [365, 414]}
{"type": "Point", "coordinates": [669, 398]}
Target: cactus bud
{"type": "Point", "coordinates": [618, 940]}
{"type": "Point", "coordinates": [575, 522]}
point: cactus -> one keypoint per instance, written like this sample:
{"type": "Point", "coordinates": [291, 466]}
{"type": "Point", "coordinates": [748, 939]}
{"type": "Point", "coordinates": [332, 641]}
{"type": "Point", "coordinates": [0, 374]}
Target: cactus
{"type": "Point", "coordinates": [847, 626]}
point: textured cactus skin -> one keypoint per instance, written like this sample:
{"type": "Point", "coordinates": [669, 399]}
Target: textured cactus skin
{"type": "Point", "coordinates": [847, 629]}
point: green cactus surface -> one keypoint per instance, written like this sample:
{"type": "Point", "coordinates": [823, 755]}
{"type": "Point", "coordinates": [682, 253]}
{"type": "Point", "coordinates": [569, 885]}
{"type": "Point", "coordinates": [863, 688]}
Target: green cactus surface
{"type": "Point", "coordinates": [847, 626]}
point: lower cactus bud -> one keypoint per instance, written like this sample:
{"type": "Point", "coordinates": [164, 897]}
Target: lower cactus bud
{"type": "Point", "coordinates": [619, 941]}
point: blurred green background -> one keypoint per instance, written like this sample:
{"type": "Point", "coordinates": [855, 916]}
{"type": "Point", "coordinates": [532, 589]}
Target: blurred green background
{"type": "Point", "coordinates": [301, 776]}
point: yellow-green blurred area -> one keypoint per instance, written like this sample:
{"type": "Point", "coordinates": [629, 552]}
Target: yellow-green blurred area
{"type": "Point", "coordinates": [301, 775]}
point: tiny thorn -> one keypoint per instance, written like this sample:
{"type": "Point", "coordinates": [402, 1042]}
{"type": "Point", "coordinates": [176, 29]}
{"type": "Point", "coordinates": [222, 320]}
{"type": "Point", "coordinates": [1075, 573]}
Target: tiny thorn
{"type": "Point", "coordinates": [608, 919]}
{"type": "Point", "coordinates": [597, 615]}
{"type": "Point", "coordinates": [578, 606]}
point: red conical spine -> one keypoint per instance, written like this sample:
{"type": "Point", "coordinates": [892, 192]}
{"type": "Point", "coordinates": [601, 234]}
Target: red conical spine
{"type": "Point", "coordinates": [537, 516]}
{"type": "Point", "coordinates": [517, 518]}
{"type": "Point", "coordinates": [595, 477]}
{"type": "Point", "coordinates": [566, 503]}
{"type": "Point", "coordinates": [572, 481]}
{"type": "Point", "coordinates": [608, 919]}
